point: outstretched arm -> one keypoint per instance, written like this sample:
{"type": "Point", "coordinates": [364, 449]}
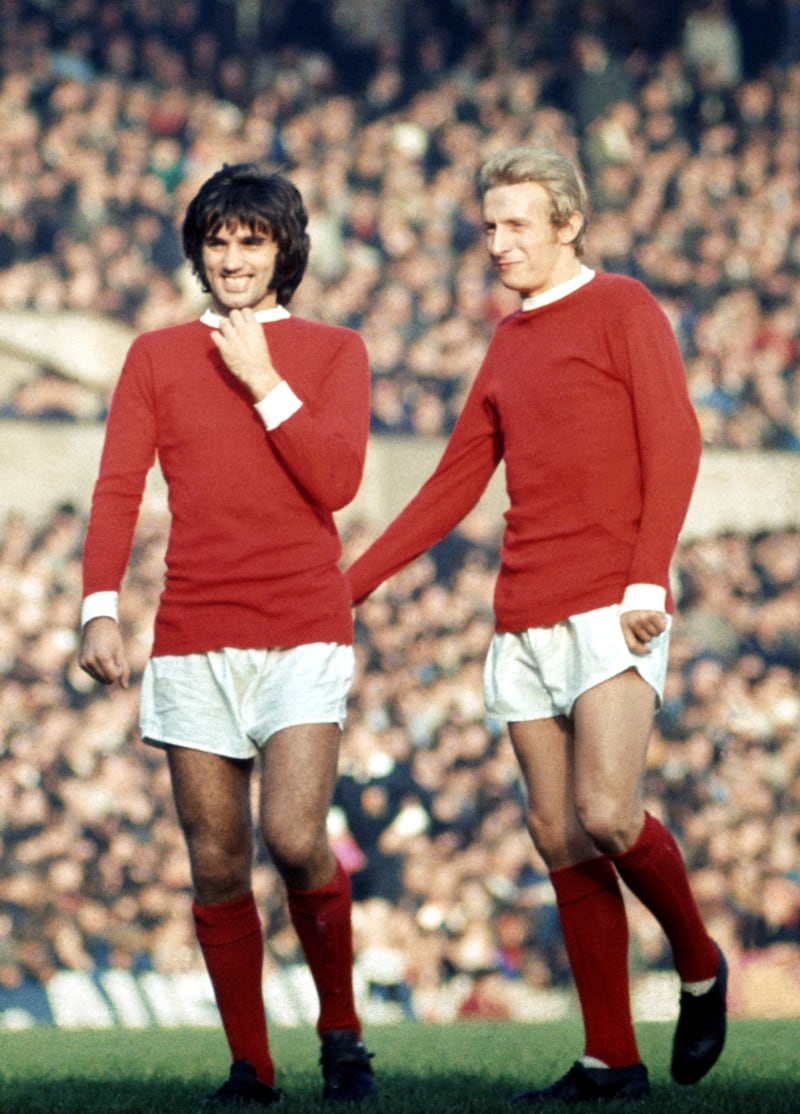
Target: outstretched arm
{"type": "Point", "coordinates": [472, 454]}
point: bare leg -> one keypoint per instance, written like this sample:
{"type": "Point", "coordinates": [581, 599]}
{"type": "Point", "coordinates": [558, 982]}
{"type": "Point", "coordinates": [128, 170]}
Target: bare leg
{"type": "Point", "coordinates": [212, 799]}
{"type": "Point", "coordinates": [546, 756]}
{"type": "Point", "coordinates": [213, 803]}
{"type": "Point", "coordinates": [298, 778]}
{"type": "Point", "coordinates": [590, 905]}
{"type": "Point", "coordinates": [613, 722]}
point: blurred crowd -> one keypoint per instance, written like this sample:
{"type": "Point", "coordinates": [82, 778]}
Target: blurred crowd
{"type": "Point", "coordinates": [454, 914]}
{"type": "Point", "coordinates": [685, 117]}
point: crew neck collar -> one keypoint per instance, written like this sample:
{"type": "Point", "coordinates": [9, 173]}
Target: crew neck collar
{"type": "Point", "coordinates": [556, 293]}
{"type": "Point", "coordinates": [276, 313]}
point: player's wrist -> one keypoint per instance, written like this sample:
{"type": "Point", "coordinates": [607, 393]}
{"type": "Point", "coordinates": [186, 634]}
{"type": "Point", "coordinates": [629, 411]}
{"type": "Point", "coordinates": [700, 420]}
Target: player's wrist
{"type": "Point", "coordinates": [643, 597]}
{"type": "Point", "coordinates": [100, 605]}
{"type": "Point", "coordinates": [263, 383]}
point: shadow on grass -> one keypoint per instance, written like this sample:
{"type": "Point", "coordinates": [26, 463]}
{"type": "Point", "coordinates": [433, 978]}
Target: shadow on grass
{"type": "Point", "coordinates": [96, 1096]}
{"type": "Point", "coordinates": [400, 1092]}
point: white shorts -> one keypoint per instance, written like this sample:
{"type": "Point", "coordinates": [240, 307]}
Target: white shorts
{"type": "Point", "coordinates": [540, 673]}
{"type": "Point", "coordinates": [232, 701]}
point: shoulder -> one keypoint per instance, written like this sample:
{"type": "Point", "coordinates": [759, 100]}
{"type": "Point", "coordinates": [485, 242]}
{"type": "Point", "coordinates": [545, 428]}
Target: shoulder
{"type": "Point", "coordinates": [620, 289]}
{"type": "Point", "coordinates": [508, 324]}
{"type": "Point", "coordinates": [320, 331]}
{"type": "Point", "coordinates": [317, 337]}
{"type": "Point", "coordinates": [172, 338]}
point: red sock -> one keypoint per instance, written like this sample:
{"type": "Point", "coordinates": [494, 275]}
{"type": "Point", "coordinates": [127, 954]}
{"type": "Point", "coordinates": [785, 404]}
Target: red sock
{"type": "Point", "coordinates": [595, 929]}
{"type": "Point", "coordinates": [322, 921]}
{"type": "Point", "coordinates": [653, 869]}
{"type": "Point", "coordinates": [232, 942]}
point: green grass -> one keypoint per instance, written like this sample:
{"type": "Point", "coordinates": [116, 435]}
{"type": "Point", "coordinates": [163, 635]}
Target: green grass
{"type": "Point", "coordinates": [454, 1069]}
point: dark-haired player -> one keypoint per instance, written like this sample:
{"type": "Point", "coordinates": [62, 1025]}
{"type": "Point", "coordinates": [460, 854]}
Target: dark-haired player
{"type": "Point", "coordinates": [259, 420]}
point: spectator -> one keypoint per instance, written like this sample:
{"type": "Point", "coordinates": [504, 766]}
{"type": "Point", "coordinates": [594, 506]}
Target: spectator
{"type": "Point", "coordinates": [84, 808]}
{"type": "Point", "coordinates": [95, 153]}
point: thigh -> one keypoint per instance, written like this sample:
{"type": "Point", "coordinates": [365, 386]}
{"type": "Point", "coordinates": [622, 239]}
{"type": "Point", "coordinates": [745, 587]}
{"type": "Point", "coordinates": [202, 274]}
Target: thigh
{"type": "Point", "coordinates": [298, 776]}
{"type": "Point", "coordinates": [545, 751]}
{"type": "Point", "coordinates": [212, 800]}
{"type": "Point", "coordinates": [613, 722]}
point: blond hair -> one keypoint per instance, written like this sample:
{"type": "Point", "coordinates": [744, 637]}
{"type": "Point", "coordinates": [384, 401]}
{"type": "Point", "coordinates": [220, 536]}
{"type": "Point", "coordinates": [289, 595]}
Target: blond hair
{"type": "Point", "coordinates": [552, 171]}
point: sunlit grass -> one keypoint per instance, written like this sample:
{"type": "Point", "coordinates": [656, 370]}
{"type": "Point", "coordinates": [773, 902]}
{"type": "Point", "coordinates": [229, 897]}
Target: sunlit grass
{"type": "Point", "coordinates": [466, 1068]}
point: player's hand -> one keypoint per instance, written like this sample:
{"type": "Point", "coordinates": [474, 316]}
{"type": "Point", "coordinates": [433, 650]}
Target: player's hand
{"type": "Point", "coordinates": [241, 342]}
{"type": "Point", "coordinates": [102, 654]}
{"type": "Point", "coordinates": [640, 627]}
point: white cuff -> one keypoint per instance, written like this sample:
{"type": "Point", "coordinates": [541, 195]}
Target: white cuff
{"type": "Point", "coordinates": [644, 597]}
{"type": "Point", "coordinates": [280, 404]}
{"type": "Point", "coordinates": [100, 605]}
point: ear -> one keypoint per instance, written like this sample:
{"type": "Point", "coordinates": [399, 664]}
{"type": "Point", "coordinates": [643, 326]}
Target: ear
{"type": "Point", "coordinates": [569, 232]}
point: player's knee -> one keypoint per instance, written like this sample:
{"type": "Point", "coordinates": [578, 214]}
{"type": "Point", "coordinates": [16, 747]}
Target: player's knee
{"type": "Point", "coordinates": [549, 838]}
{"type": "Point", "coordinates": [292, 849]}
{"type": "Point", "coordinates": [219, 873]}
{"type": "Point", "coordinates": [605, 822]}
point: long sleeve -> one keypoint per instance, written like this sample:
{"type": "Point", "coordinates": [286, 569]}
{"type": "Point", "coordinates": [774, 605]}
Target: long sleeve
{"type": "Point", "coordinates": [668, 437]}
{"type": "Point", "coordinates": [129, 452]}
{"type": "Point", "coordinates": [323, 444]}
{"type": "Point", "coordinates": [585, 400]}
{"type": "Point", "coordinates": [455, 486]}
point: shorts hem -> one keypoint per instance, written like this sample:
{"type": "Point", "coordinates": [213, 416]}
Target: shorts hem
{"type": "Point", "coordinates": [618, 673]}
{"type": "Point", "coordinates": [151, 740]}
{"type": "Point", "coordinates": [156, 740]}
{"type": "Point", "coordinates": [494, 712]}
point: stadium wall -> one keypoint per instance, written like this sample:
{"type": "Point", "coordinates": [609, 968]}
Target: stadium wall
{"type": "Point", "coordinates": [43, 464]}
{"type": "Point", "coordinates": [765, 984]}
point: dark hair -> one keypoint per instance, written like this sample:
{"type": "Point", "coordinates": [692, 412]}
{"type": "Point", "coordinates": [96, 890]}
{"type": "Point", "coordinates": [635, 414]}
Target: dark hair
{"type": "Point", "coordinates": [267, 202]}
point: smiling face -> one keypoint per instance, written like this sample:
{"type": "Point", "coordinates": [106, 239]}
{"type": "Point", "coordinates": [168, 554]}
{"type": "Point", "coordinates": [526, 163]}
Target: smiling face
{"type": "Point", "coordinates": [531, 255]}
{"type": "Point", "coordinates": [239, 264]}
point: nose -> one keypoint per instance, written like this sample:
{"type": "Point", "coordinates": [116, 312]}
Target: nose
{"type": "Point", "coordinates": [232, 256]}
{"type": "Point", "coordinates": [498, 242]}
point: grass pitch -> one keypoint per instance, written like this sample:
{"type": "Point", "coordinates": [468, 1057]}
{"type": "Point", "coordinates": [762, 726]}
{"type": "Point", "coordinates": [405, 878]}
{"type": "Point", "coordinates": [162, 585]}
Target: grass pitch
{"type": "Point", "coordinates": [449, 1069]}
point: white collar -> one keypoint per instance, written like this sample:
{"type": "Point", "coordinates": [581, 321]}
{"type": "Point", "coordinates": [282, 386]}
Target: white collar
{"type": "Point", "coordinates": [277, 313]}
{"type": "Point", "coordinates": [557, 292]}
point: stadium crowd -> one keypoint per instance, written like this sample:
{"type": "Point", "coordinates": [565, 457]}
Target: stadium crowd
{"type": "Point", "coordinates": [453, 913]}
{"type": "Point", "coordinates": [686, 119]}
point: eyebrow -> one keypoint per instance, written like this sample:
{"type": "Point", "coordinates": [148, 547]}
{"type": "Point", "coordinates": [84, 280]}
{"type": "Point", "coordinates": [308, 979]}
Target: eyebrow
{"type": "Point", "coordinates": [253, 234]}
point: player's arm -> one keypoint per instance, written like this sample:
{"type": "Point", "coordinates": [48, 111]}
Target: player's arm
{"type": "Point", "coordinates": [324, 446]}
{"type": "Point", "coordinates": [128, 454]}
{"type": "Point", "coordinates": [470, 458]}
{"type": "Point", "coordinates": [668, 438]}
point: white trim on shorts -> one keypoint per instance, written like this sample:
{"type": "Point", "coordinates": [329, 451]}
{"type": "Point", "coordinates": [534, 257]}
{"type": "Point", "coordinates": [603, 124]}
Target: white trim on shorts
{"type": "Point", "coordinates": [232, 701]}
{"type": "Point", "coordinates": [539, 673]}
